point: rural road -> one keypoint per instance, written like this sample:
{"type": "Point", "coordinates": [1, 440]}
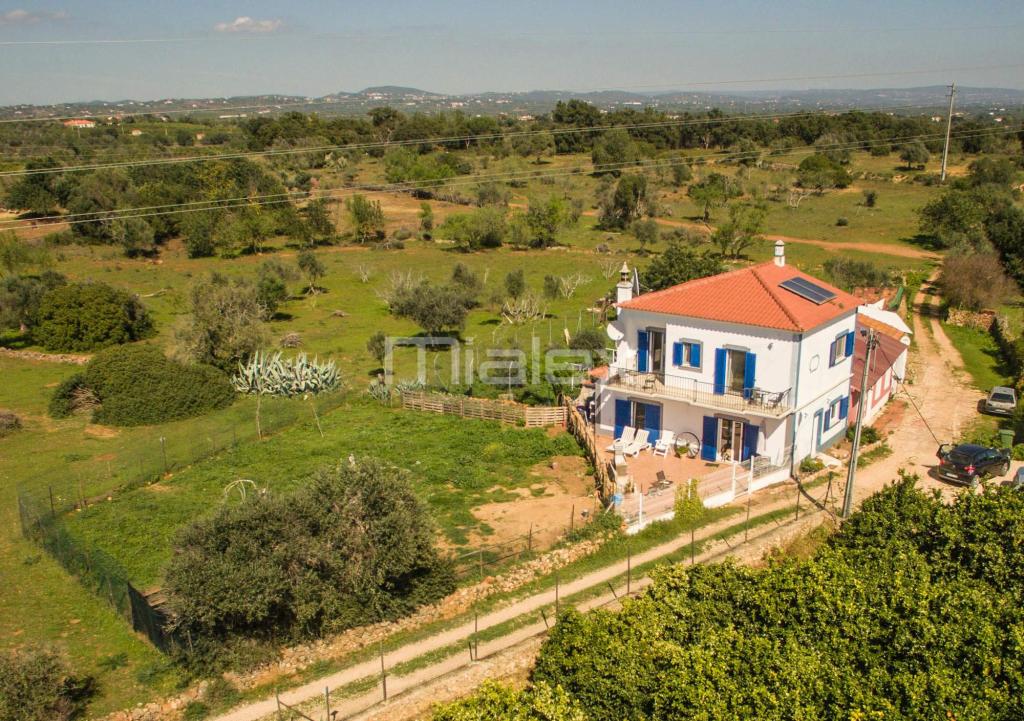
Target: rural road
{"type": "Point", "coordinates": [895, 249]}
{"type": "Point", "coordinates": [766, 501]}
{"type": "Point", "coordinates": [939, 389]}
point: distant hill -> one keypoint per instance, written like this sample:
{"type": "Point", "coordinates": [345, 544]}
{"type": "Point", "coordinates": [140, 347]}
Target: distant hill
{"type": "Point", "coordinates": [534, 102]}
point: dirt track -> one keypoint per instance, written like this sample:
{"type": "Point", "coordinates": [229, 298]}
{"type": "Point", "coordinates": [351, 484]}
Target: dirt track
{"type": "Point", "coordinates": [939, 390]}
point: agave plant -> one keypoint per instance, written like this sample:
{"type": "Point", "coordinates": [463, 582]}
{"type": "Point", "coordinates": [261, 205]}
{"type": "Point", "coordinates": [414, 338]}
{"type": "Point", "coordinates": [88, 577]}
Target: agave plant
{"type": "Point", "coordinates": [273, 375]}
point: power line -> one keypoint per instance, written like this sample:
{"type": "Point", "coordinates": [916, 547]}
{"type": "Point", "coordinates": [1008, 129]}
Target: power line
{"type": "Point", "coordinates": [681, 85]}
{"type": "Point", "coordinates": [281, 198]}
{"type": "Point", "coordinates": [910, 397]}
{"type": "Point", "coordinates": [513, 34]}
{"type": "Point", "coordinates": [558, 131]}
{"type": "Point", "coordinates": [420, 141]}
{"type": "Point", "coordinates": [503, 175]}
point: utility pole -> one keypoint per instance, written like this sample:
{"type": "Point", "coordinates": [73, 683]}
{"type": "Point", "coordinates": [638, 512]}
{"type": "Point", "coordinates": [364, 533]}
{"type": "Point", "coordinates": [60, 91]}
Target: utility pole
{"type": "Point", "coordinates": [949, 126]}
{"type": "Point", "coordinates": [872, 341]}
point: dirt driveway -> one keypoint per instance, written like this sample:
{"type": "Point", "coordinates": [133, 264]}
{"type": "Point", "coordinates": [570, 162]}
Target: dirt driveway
{"type": "Point", "coordinates": [942, 392]}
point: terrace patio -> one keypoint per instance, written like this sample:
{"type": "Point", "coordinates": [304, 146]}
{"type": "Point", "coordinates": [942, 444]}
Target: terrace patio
{"type": "Point", "coordinates": [642, 497]}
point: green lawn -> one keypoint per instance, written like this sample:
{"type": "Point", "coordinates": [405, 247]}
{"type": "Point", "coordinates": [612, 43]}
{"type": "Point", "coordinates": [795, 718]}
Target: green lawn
{"type": "Point", "coordinates": [39, 602]}
{"type": "Point", "coordinates": [981, 356]}
{"type": "Point", "coordinates": [456, 464]}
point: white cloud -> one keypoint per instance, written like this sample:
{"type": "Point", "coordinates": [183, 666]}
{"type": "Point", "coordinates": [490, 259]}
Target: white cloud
{"type": "Point", "coordinates": [247, 24]}
{"type": "Point", "coordinates": [26, 17]}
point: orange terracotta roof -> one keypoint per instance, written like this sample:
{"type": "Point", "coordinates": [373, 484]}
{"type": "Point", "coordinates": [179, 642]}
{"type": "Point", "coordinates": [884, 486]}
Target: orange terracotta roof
{"type": "Point", "coordinates": [750, 296]}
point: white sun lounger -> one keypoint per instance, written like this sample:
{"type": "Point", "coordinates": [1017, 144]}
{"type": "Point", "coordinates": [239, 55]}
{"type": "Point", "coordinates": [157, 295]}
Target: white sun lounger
{"type": "Point", "coordinates": [639, 443]}
{"type": "Point", "coordinates": [628, 434]}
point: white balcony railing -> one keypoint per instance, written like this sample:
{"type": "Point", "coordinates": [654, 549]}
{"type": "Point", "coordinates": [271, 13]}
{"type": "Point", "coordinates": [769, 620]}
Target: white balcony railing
{"type": "Point", "coordinates": [747, 400]}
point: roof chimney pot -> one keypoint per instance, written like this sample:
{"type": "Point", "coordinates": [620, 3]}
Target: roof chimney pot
{"type": "Point", "coordinates": [780, 253]}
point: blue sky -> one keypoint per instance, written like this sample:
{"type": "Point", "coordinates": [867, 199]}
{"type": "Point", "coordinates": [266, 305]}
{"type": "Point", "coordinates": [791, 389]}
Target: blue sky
{"type": "Point", "coordinates": [218, 48]}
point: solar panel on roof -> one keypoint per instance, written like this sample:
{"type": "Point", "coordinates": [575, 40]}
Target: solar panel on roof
{"type": "Point", "coordinates": [807, 290]}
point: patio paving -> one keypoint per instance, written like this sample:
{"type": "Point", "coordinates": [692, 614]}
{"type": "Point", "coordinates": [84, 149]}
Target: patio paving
{"type": "Point", "coordinates": [642, 472]}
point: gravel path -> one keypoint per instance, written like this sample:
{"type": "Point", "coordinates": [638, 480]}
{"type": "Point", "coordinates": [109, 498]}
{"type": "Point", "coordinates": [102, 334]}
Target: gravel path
{"type": "Point", "coordinates": [946, 401]}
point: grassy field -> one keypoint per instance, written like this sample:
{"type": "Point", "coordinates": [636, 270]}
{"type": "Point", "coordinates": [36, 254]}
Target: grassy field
{"type": "Point", "coordinates": [39, 602]}
{"type": "Point", "coordinates": [457, 464]}
{"type": "Point", "coordinates": [982, 359]}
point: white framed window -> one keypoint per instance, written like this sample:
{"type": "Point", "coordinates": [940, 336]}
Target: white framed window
{"type": "Point", "coordinates": [841, 349]}
{"type": "Point", "coordinates": [687, 354]}
{"type": "Point", "coordinates": [832, 416]}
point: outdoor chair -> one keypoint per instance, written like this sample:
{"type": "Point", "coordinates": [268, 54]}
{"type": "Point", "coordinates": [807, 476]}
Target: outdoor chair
{"type": "Point", "coordinates": [628, 434]}
{"type": "Point", "coordinates": [639, 443]}
{"type": "Point", "coordinates": [665, 444]}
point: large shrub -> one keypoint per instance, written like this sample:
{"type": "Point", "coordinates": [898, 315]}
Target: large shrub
{"type": "Point", "coordinates": [87, 316]}
{"type": "Point", "coordinates": [35, 685]}
{"type": "Point", "coordinates": [9, 422]}
{"type": "Point", "coordinates": [138, 385]}
{"type": "Point", "coordinates": [354, 546]}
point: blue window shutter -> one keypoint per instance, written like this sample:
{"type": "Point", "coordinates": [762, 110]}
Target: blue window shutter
{"type": "Point", "coordinates": [695, 355]}
{"type": "Point", "coordinates": [832, 354]}
{"type": "Point", "coordinates": [677, 354]}
{"type": "Point", "coordinates": [652, 422]}
{"type": "Point", "coordinates": [844, 408]}
{"type": "Point", "coordinates": [750, 435]}
{"type": "Point", "coordinates": [749, 374]}
{"type": "Point", "coordinates": [849, 344]}
{"type": "Point", "coordinates": [708, 444]}
{"type": "Point", "coordinates": [642, 347]}
{"type": "Point", "coordinates": [622, 415]}
{"type": "Point", "coordinates": [720, 360]}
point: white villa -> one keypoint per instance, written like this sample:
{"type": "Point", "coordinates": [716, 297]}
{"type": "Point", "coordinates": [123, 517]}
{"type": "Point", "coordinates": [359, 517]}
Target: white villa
{"type": "Point", "coordinates": [752, 364]}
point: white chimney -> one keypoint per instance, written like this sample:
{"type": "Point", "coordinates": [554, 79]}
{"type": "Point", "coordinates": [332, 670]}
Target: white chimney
{"type": "Point", "coordinates": [780, 253]}
{"type": "Point", "coordinates": [624, 290]}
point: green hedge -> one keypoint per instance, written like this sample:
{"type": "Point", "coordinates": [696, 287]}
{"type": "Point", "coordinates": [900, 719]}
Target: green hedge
{"type": "Point", "coordinates": [912, 611]}
{"type": "Point", "coordinates": [138, 385]}
{"type": "Point", "coordinates": [87, 316]}
{"type": "Point", "coordinates": [354, 546]}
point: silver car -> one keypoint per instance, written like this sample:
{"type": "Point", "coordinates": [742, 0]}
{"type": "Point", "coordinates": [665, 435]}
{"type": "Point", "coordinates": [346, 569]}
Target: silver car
{"type": "Point", "coordinates": [1002, 401]}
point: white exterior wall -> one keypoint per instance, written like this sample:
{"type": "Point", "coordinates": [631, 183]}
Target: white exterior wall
{"type": "Point", "coordinates": [883, 389]}
{"type": "Point", "coordinates": [775, 349]}
{"type": "Point", "coordinates": [785, 360]}
{"type": "Point", "coordinates": [681, 417]}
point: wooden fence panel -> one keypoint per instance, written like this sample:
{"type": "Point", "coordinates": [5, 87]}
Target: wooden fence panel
{"type": "Point", "coordinates": [484, 409]}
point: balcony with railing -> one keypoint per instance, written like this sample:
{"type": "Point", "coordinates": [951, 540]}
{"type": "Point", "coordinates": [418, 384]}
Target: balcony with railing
{"type": "Point", "coordinates": [774, 404]}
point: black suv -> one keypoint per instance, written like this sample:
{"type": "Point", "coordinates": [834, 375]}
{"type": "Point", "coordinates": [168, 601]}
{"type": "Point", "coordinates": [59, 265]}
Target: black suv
{"type": "Point", "coordinates": [967, 463]}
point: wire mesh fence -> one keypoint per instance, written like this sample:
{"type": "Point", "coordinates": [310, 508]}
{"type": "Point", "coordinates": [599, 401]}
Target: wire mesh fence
{"type": "Point", "coordinates": [43, 505]}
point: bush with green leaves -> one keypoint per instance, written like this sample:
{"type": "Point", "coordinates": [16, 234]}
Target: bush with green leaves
{"type": "Point", "coordinates": [679, 264]}
{"type": "Point", "coordinates": [88, 316]}
{"type": "Point", "coordinates": [36, 685]}
{"type": "Point", "coordinates": [9, 422]}
{"type": "Point", "coordinates": [354, 546]}
{"type": "Point", "coordinates": [138, 385]}
{"type": "Point", "coordinates": [850, 274]}
{"type": "Point", "coordinates": [912, 610]}
{"type": "Point", "coordinates": [868, 434]}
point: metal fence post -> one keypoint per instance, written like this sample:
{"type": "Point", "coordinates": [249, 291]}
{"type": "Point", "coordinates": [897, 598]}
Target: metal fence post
{"type": "Point", "coordinates": [383, 674]}
{"type": "Point", "coordinates": [629, 565]}
{"type": "Point", "coordinates": [556, 592]}
{"type": "Point", "coordinates": [746, 526]}
{"type": "Point", "coordinates": [327, 701]}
